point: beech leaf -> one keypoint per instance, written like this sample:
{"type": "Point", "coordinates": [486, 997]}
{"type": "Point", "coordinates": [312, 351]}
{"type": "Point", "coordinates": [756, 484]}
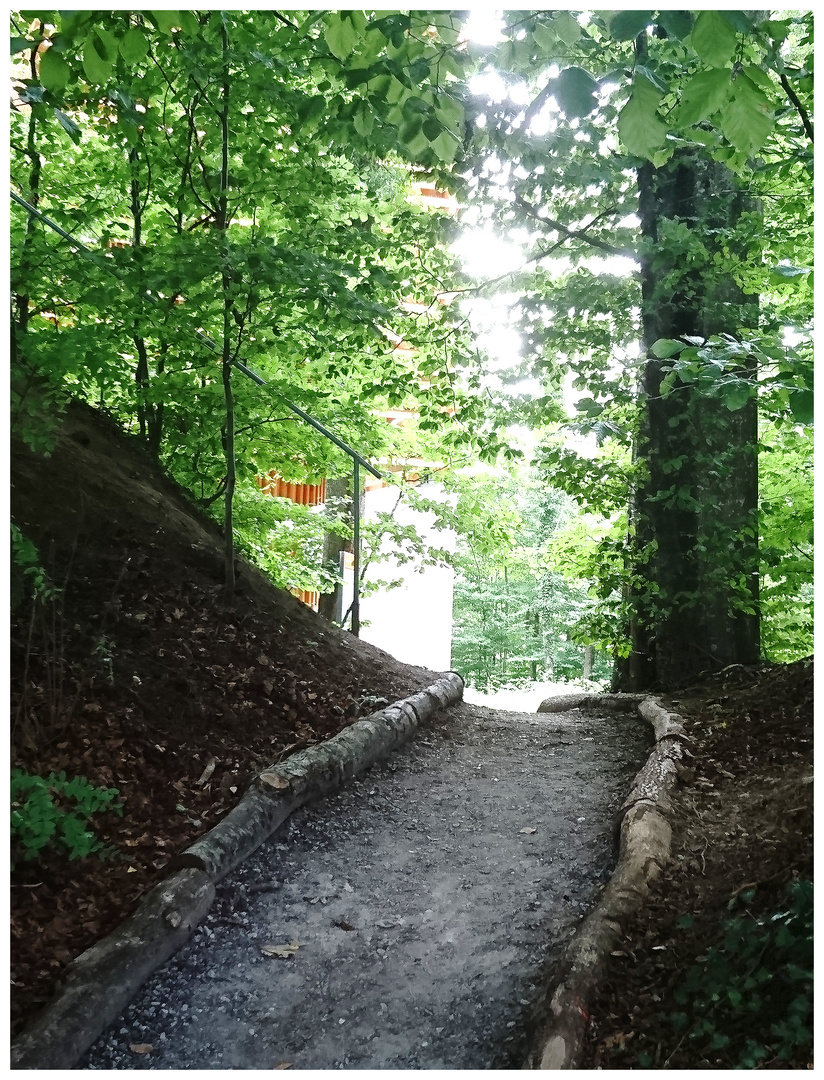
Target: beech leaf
{"type": "Point", "coordinates": [713, 38]}
{"type": "Point", "coordinates": [54, 71]}
{"type": "Point", "coordinates": [281, 952]}
{"type": "Point", "coordinates": [575, 92]}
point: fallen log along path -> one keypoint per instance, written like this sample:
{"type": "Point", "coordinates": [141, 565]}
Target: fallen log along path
{"type": "Point", "coordinates": [448, 908]}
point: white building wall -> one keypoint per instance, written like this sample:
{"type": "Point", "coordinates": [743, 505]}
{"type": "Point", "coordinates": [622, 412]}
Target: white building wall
{"type": "Point", "coordinates": [413, 622]}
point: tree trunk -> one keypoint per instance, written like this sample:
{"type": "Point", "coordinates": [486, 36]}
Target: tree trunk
{"type": "Point", "coordinates": [694, 514]}
{"type": "Point", "coordinates": [228, 357]}
{"type": "Point", "coordinates": [330, 605]}
{"type": "Point", "coordinates": [589, 661]}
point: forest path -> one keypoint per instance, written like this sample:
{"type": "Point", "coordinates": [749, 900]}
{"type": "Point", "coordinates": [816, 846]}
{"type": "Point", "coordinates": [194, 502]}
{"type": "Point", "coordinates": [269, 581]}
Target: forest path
{"type": "Point", "coordinates": [430, 899]}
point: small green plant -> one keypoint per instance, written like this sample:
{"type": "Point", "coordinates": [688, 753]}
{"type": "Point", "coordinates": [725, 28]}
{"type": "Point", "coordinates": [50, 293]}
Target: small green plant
{"type": "Point", "coordinates": [103, 652]}
{"type": "Point", "coordinates": [28, 569]}
{"type": "Point", "coordinates": [54, 811]}
{"type": "Point", "coordinates": [750, 998]}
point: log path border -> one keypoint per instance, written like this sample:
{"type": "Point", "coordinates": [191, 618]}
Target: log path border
{"type": "Point", "coordinates": [102, 981]}
{"type": "Point", "coordinates": [645, 841]}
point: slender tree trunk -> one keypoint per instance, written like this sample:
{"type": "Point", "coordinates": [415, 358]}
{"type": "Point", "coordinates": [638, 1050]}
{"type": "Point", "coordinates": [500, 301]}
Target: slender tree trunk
{"type": "Point", "coordinates": [694, 515]}
{"type": "Point", "coordinates": [589, 661]}
{"type": "Point", "coordinates": [331, 603]}
{"type": "Point", "coordinates": [227, 357]}
{"type": "Point", "coordinates": [22, 299]}
{"type": "Point", "coordinates": [149, 417]}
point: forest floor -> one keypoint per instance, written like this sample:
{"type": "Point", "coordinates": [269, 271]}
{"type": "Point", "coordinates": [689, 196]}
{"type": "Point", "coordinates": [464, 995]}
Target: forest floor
{"type": "Point", "coordinates": [140, 675]}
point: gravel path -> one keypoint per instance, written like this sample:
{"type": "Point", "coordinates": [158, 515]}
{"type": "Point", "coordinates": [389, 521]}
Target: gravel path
{"type": "Point", "coordinates": [422, 907]}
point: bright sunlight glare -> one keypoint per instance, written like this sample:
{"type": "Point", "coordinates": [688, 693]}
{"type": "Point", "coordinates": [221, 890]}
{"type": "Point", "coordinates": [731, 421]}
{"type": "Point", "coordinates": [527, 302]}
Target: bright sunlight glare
{"type": "Point", "coordinates": [484, 27]}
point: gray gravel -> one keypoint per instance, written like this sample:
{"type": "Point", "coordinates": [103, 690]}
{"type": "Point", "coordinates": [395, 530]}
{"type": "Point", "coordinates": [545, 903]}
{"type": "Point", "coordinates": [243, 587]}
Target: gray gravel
{"type": "Point", "coordinates": [428, 902]}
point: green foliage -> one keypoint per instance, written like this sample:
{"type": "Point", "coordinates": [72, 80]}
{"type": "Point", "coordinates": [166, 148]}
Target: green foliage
{"type": "Point", "coordinates": [516, 617]}
{"type": "Point", "coordinates": [301, 261]}
{"type": "Point", "coordinates": [749, 999]}
{"type": "Point", "coordinates": [27, 570]}
{"type": "Point", "coordinates": [54, 812]}
{"type": "Point", "coordinates": [299, 267]}
{"type": "Point", "coordinates": [704, 85]}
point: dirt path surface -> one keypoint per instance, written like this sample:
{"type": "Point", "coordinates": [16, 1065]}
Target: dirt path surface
{"type": "Point", "coordinates": [429, 901]}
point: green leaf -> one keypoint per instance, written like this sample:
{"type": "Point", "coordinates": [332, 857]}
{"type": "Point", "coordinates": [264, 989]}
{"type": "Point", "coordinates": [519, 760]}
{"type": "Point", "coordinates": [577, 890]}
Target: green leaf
{"type": "Point", "coordinates": [312, 108]}
{"type": "Point", "coordinates": [449, 111]}
{"type": "Point", "coordinates": [639, 127]}
{"type": "Point", "coordinates": [713, 38]}
{"type": "Point", "coordinates": [782, 273]}
{"type": "Point", "coordinates": [545, 37]}
{"type": "Point", "coordinates": [801, 406]}
{"type": "Point", "coordinates": [189, 22]}
{"type": "Point", "coordinates": [745, 121]}
{"type": "Point", "coordinates": [166, 21]}
{"type": "Point", "coordinates": [627, 25]}
{"type": "Point", "coordinates": [664, 348]}
{"type": "Point", "coordinates": [739, 20]}
{"type": "Point", "coordinates": [653, 77]}
{"type": "Point", "coordinates": [575, 92]}
{"type": "Point", "coordinates": [68, 125]}
{"type": "Point", "coordinates": [759, 77]}
{"type": "Point", "coordinates": [704, 94]}
{"type": "Point", "coordinates": [735, 395]}
{"type": "Point", "coordinates": [107, 45]}
{"type": "Point", "coordinates": [98, 70]}
{"type": "Point", "coordinates": [678, 24]}
{"type": "Point", "coordinates": [133, 45]}
{"type": "Point", "coordinates": [54, 71]}
{"type": "Point", "coordinates": [20, 44]}
{"type": "Point", "coordinates": [567, 27]}
{"type": "Point", "coordinates": [340, 36]}
{"type": "Point", "coordinates": [446, 146]}
{"type": "Point", "coordinates": [364, 121]}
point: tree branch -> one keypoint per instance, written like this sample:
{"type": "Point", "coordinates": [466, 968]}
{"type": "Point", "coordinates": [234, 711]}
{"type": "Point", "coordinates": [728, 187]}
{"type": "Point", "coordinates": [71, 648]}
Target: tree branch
{"type": "Point", "coordinates": [802, 112]}
{"type": "Point", "coordinates": [572, 234]}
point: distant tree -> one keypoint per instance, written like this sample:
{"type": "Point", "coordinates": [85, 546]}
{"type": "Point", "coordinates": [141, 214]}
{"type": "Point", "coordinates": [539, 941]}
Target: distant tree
{"type": "Point", "coordinates": [516, 618]}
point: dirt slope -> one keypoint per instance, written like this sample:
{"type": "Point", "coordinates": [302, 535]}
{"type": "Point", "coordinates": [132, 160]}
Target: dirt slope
{"type": "Point", "coordinates": [140, 676]}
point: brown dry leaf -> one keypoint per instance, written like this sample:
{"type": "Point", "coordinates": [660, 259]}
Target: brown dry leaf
{"type": "Point", "coordinates": [283, 1065]}
{"type": "Point", "coordinates": [280, 952]}
{"type": "Point", "coordinates": [141, 1048]}
{"type": "Point", "coordinates": [528, 830]}
{"type": "Point", "coordinates": [207, 772]}
{"type": "Point", "coordinates": [264, 660]}
{"type": "Point", "coordinates": [275, 780]}
{"type": "Point", "coordinates": [344, 925]}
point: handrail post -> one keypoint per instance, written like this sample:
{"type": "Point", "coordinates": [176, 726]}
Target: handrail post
{"type": "Point", "coordinates": [356, 547]}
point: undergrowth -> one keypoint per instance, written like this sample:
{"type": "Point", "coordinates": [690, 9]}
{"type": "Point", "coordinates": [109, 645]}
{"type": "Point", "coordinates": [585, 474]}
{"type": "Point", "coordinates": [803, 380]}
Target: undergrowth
{"type": "Point", "coordinates": [54, 812]}
{"type": "Point", "coordinates": [747, 1002]}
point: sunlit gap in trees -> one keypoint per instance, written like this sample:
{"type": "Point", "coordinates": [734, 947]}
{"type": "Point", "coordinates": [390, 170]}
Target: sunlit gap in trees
{"type": "Point", "coordinates": [489, 257]}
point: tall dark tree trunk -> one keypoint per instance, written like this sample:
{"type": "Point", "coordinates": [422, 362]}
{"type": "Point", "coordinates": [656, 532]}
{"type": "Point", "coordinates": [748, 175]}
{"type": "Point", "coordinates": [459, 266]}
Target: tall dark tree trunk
{"type": "Point", "coordinates": [694, 513]}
